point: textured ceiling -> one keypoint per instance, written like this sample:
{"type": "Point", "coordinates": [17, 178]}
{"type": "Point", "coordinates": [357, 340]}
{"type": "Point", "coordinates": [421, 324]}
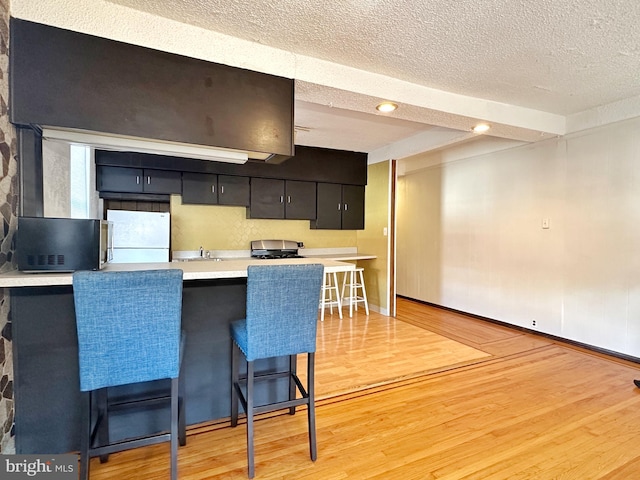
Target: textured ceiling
{"type": "Point", "coordinates": [555, 56]}
{"type": "Point", "coordinates": [558, 56]}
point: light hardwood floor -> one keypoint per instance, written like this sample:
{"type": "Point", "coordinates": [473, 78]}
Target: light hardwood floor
{"type": "Point", "coordinates": [519, 406]}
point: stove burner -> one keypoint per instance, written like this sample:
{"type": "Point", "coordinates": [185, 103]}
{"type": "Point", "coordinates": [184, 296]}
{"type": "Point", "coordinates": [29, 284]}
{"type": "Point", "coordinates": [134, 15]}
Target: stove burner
{"type": "Point", "coordinates": [273, 256]}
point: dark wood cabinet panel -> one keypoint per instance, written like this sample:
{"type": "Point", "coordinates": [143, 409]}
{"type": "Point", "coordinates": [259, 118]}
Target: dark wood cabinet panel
{"type": "Point", "coordinates": [340, 207]}
{"type": "Point", "coordinates": [199, 188]}
{"type": "Point", "coordinates": [117, 179]}
{"type": "Point", "coordinates": [136, 180]}
{"type": "Point", "coordinates": [300, 200]}
{"type": "Point", "coordinates": [267, 198]}
{"type": "Point", "coordinates": [329, 215]}
{"type": "Point", "coordinates": [234, 190]}
{"type": "Point", "coordinates": [310, 164]}
{"type": "Point", "coordinates": [282, 199]}
{"type": "Point", "coordinates": [352, 207]}
{"type": "Point", "coordinates": [207, 189]}
{"type": "Point", "coordinates": [161, 181]}
{"type": "Point", "coordinates": [62, 78]}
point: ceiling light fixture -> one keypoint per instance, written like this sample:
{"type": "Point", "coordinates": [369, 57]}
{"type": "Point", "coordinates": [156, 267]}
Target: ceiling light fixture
{"type": "Point", "coordinates": [481, 128]}
{"type": "Point", "coordinates": [386, 107]}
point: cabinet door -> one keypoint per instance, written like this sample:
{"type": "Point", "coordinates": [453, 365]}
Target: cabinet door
{"type": "Point", "coordinates": [267, 198]}
{"type": "Point", "coordinates": [233, 190]}
{"type": "Point", "coordinates": [352, 207]}
{"type": "Point", "coordinates": [162, 181]}
{"type": "Point", "coordinates": [119, 179]}
{"type": "Point", "coordinates": [199, 188]}
{"type": "Point", "coordinates": [329, 215]}
{"type": "Point", "coordinates": [300, 201]}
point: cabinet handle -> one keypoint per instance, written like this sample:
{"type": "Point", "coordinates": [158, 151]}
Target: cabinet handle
{"type": "Point", "coordinates": [221, 189]}
{"type": "Point", "coordinates": [288, 198]}
{"type": "Point", "coordinates": [148, 179]}
{"type": "Point", "coordinates": [137, 179]}
{"type": "Point", "coordinates": [213, 189]}
{"type": "Point", "coordinates": [346, 207]}
{"type": "Point", "coordinates": [281, 198]}
{"type": "Point", "coordinates": [339, 207]}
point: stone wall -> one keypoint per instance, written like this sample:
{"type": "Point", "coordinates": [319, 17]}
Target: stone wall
{"type": "Point", "coordinates": [8, 214]}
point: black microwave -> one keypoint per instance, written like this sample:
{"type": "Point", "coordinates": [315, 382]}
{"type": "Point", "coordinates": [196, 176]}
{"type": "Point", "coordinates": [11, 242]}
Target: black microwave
{"type": "Point", "coordinates": [63, 244]}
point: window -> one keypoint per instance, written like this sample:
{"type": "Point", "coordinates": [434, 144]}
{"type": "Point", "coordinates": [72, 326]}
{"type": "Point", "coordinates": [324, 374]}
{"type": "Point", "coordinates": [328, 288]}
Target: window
{"type": "Point", "coordinates": [80, 181]}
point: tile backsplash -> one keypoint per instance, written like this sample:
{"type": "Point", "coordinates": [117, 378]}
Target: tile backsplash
{"type": "Point", "coordinates": [228, 228]}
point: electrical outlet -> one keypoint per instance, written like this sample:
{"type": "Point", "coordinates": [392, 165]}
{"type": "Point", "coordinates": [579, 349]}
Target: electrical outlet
{"type": "Point", "coordinates": [533, 323]}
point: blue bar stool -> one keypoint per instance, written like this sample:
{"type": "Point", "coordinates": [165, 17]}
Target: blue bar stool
{"type": "Point", "coordinates": [129, 331]}
{"type": "Point", "coordinates": [281, 320]}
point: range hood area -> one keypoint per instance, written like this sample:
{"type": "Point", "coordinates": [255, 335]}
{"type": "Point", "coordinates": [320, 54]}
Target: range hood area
{"type": "Point", "coordinates": [111, 95]}
{"type": "Point", "coordinates": [125, 143]}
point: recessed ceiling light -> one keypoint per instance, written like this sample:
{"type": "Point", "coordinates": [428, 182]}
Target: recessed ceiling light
{"type": "Point", "coordinates": [386, 107]}
{"type": "Point", "coordinates": [481, 128]}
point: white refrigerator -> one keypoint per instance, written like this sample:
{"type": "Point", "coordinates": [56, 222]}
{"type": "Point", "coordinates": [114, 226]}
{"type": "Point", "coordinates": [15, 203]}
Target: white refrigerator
{"type": "Point", "coordinates": [140, 237]}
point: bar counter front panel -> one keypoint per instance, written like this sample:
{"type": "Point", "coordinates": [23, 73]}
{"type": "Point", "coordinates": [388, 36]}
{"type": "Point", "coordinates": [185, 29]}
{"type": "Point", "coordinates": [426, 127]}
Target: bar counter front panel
{"type": "Point", "coordinates": [45, 349]}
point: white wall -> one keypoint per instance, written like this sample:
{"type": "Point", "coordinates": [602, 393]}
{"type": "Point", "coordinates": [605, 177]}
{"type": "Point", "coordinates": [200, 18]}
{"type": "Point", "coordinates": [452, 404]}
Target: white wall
{"type": "Point", "coordinates": [56, 177]}
{"type": "Point", "coordinates": [65, 178]}
{"type": "Point", "coordinates": [470, 235]}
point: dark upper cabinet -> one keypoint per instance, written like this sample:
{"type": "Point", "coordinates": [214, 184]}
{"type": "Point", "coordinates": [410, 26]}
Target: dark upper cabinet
{"type": "Point", "coordinates": [208, 189]}
{"type": "Point", "coordinates": [288, 199]}
{"type": "Point", "coordinates": [340, 207]}
{"type": "Point", "coordinates": [310, 164]}
{"type": "Point", "coordinates": [267, 198]}
{"type": "Point", "coordinates": [137, 180]}
{"type": "Point", "coordinates": [352, 207]}
{"type": "Point", "coordinates": [161, 181]}
{"type": "Point", "coordinates": [117, 179]}
{"type": "Point", "coordinates": [233, 190]}
{"type": "Point", "coordinates": [300, 200]}
{"type": "Point", "coordinates": [63, 78]}
{"type": "Point", "coordinates": [329, 215]}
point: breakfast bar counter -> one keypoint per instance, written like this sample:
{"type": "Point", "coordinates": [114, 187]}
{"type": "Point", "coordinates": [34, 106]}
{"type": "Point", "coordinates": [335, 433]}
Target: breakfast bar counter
{"type": "Point", "coordinates": [46, 385]}
{"type": "Point", "coordinates": [207, 269]}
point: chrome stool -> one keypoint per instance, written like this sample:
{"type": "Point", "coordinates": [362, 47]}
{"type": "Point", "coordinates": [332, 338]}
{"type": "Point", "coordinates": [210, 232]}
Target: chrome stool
{"type": "Point", "coordinates": [354, 285]}
{"type": "Point", "coordinates": [129, 331]}
{"type": "Point", "coordinates": [281, 320]}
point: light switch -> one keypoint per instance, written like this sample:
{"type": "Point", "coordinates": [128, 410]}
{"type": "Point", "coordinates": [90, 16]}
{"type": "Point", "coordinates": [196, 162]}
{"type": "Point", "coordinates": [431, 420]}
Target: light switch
{"type": "Point", "coordinates": [384, 231]}
{"type": "Point", "coordinates": [545, 223]}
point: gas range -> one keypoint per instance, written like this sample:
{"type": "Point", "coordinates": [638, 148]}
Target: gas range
{"type": "Point", "coordinates": [273, 249]}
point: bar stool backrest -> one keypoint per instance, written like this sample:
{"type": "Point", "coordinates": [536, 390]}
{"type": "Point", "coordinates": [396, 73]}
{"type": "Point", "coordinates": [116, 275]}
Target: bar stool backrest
{"type": "Point", "coordinates": [128, 326]}
{"type": "Point", "coordinates": [282, 309]}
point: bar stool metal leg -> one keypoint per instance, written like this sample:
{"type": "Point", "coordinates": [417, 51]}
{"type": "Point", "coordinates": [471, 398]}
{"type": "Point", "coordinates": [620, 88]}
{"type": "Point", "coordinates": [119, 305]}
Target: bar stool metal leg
{"type": "Point", "coordinates": [311, 407]}
{"type": "Point", "coordinates": [175, 389]}
{"type": "Point", "coordinates": [249, 411]}
{"type": "Point", "coordinates": [235, 358]}
{"type": "Point", "coordinates": [293, 370]}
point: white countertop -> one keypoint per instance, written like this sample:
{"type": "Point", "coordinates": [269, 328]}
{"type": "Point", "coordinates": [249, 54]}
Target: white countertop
{"type": "Point", "coordinates": [343, 257]}
{"type": "Point", "coordinates": [341, 254]}
{"type": "Point", "coordinates": [194, 270]}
